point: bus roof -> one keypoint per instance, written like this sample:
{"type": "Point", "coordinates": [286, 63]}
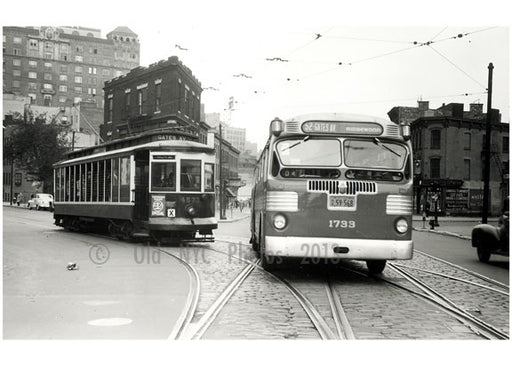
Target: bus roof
{"type": "Point", "coordinates": [334, 116]}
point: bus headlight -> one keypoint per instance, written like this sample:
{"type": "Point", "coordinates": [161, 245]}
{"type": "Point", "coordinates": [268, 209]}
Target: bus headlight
{"type": "Point", "coordinates": [279, 222]}
{"type": "Point", "coordinates": [190, 210]}
{"type": "Point", "coordinates": [402, 226]}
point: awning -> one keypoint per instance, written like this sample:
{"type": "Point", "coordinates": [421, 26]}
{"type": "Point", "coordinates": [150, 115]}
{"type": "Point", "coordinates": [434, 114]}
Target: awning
{"type": "Point", "coordinates": [230, 193]}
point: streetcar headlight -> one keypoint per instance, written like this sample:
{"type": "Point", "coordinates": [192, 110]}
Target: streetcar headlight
{"type": "Point", "coordinates": [279, 222]}
{"type": "Point", "coordinates": [402, 226]}
{"type": "Point", "coordinates": [191, 211]}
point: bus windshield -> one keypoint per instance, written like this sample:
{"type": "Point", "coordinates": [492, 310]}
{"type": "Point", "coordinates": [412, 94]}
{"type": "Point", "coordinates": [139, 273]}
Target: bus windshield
{"type": "Point", "coordinates": [374, 154]}
{"type": "Point", "coordinates": [309, 152]}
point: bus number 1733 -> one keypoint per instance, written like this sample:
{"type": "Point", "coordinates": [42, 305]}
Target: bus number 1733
{"type": "Point", "coordinates": [342, 224]}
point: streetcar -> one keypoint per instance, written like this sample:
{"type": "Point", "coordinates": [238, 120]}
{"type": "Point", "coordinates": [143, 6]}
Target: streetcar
{"type": "Point", "coordinates": [157, 185]}
{"type": "Point", "coordinates": [334, 186]}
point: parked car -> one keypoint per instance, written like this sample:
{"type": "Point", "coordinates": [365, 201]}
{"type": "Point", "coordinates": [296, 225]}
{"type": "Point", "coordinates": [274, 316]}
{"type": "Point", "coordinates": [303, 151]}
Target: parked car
{"type": "Point", "coordinates": [489, 239]}
{"type": "Point", "coordinates": [41, 200]}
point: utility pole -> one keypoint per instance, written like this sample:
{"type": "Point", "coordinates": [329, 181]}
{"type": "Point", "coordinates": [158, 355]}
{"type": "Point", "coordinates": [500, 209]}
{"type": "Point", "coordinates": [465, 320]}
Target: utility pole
{"type": "Point", "coordinates": [487, 157]}
{"type": "Point", "coordinates": [222, 203]}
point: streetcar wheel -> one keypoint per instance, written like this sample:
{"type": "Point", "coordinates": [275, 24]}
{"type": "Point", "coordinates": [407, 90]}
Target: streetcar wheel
{"type": "Point", "coordinates": [126, 230]}
{"type": "Point", "coordinates": [484, 254]}
{"type": "Point", "coordinates": [375, 266]}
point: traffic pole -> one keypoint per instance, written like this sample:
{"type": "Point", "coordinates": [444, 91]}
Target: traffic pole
{"type": "Point", "coordinates": [487, 156]}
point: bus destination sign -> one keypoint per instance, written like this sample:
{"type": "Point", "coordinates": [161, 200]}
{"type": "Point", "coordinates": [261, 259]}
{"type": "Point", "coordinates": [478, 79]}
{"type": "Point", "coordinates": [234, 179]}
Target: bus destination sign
{"type": "Point", "coordinates": [342, 128]}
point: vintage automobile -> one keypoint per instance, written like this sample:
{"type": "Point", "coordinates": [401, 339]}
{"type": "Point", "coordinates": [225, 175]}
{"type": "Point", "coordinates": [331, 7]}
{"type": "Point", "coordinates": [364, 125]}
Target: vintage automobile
{"type": "Point", "coordinates": [489, 239]}
{"type": "Point", "coordinates": [41, 200]}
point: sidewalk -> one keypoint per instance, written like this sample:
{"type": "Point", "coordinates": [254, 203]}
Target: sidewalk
{"type": "Point", "coordinates": [233, 215]}
{"type": "Point", "coordinates": [459, 227]}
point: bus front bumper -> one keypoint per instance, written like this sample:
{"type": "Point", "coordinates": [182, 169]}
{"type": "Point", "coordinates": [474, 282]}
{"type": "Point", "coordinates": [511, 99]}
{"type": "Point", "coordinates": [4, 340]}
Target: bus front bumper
{"type": "Point", "coordinates": [308, 247]}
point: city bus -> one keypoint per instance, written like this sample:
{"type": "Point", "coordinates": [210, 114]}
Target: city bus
{"type": "Point", "coordinates": [334, 186]}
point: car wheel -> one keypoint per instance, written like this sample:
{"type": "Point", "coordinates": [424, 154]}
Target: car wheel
{"type": "Point", "coordinates": [28, 206]}
{"type": "Point", "coordinates": [484, 254]}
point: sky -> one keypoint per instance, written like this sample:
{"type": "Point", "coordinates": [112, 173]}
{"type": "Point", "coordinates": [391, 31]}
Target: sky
{"type": "Point", "coordinates": [284, 58]}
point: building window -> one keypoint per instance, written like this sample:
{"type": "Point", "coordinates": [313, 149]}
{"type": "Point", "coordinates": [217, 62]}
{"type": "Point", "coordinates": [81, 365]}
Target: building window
{"type": "Point", "coordinates": [92, 70]}
{"type": "Point", "coordinates": [16, 51]}
{"type": "Point", "coordinates": [79, 49]}
{"type": "Point", "coordinates": [142, 97]}
{"type": "Point", "coordinates": [127, 97]}
{"type": "Point", "coordinates": [91, 91]}
{"type": "Point", "coordinates": [17, 179]}
{"type": "Point", "coordinates": [32, 97]}
{"type": "Point", "coordinates": [505, 145]}
{"type": "Point", "coordinates": [47, 101]}
{"type": "Point", "coordinates": [47, 76]}
{"type": "Point", "coordinates": [32, 75]}
{"type": "Point", "coordinates": [62, 99]}
{"type": "Point", "coordinates": [435, 168]}
{"type": "Point", "coordinates": [48, 86]}
{"type": "Point", "coordinates": [63, 88]}
{"type": "Point", "coordinates": [78, 69]}
{"type": "Point", "coordinates": [32, 86]}
{"type": "Point", "coordinates": [63, 77]}
{"type": "Point", "coordinates": [79, 58]}
{"type": "Point", "coordinates": [467, 169]}
{"type": "Point", "coordinates": [77, 100]}
{"type": "Point", "coordinates": [64, 48]}
{"type": "Point", "coordinates": [78, 89]}
{"type": "Point", "coordinates": [16, 40]}
{"type": "Point", "coordinates": [158, 94]}
{"type": "Point", "coordinates": [435, 139]}
{"type": "Point", "coordinates": [63, 68]}
{"type": "Point", "coordinates": [118, 73]}
{"type": "Point", "coordinates": [110, 107]}
{"type": "Point", "coordinates": [16, 62]}
{"type": "Point", "coordinates": [32, 63]}
{"type": "Point", "coordinates": [78, 79]}
{"type": "Point", "coordinates": [106, 72]}
{"type": "Point", "coordinates": [15, 83]}
{"type": "Point", "coordinates": [16, 72]}
{"type": "Point", "coordinates": [47, 65]}
{"type": "Point", "coordinates": [33, 43]}
{"type": "Point", "coordinates": [467, 140]}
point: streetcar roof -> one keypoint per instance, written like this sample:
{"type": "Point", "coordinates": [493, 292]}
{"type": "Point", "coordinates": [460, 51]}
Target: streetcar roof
{"type": "Point", "coordinates": [164, 144]}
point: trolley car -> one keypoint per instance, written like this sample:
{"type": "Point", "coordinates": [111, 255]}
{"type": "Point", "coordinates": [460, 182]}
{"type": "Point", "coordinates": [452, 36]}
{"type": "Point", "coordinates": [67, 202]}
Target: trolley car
{"type": "Point", "coordinates": [334, 186]}
{"type": "Point", "coordinates": [159, 184]}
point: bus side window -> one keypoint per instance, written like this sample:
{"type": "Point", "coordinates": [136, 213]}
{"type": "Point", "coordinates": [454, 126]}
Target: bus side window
{"type": "Point", "coordinates": [275, 165]}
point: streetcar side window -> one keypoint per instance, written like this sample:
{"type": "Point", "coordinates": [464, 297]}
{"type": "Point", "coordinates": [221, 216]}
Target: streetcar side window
{"type": "Point", "coordinates": [94, 181]}
{"type": "Point", "coordinates": [82, 182]}
{"type": "Point", "coordinates": [209, 177]}
{"type": "Point", "coordinates": [101, 179]}
{"type": "Point", "coordinates": [190, 175]}
{"type": "Point", "coordinates": [163, 176]}
{"type": "Point", "coordinates": [66, 185]}
{"type": "Point", "coordinates": [108, 180]}
{"type": "Point", "coordinates": [115, 180]}
{"type": "Point", "coordinates": [124, 190]}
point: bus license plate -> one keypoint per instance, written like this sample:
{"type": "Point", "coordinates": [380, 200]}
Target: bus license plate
{"type": "Point", "coordinates": [342, 202]}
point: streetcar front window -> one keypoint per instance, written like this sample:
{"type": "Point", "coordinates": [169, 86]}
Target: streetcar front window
{"type": "Point", "coordinates": [163, 176]}
{"type": "Point", "coordinates": [374, 154]}
{"type": "Point", "coordinates": [190, 175]}
{"type": "Point", "coordinates": [309, 152]}
{"type": "Point", "coordinates": [209, 177]}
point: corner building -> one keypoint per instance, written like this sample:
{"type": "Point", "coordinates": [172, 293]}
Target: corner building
{"type": "Point", "coordinates": [163, 95]}
{"type": "Point", "coordinates": [448, 147]}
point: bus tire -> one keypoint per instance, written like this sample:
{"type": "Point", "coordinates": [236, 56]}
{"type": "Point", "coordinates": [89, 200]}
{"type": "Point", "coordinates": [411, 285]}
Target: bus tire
{"type": "Point", "coordinates": [484, 254]}
{"type": "Point", "coordinates": [375, 266]}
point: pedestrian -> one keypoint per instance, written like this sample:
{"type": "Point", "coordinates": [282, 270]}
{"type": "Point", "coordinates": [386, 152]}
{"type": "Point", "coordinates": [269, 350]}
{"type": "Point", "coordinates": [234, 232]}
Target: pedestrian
{"type": "Point", "coordinates": [20, 198]}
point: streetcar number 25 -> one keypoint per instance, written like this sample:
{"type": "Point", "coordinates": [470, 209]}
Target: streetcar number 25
{"type": "Point", "coordinates": [342, 224]}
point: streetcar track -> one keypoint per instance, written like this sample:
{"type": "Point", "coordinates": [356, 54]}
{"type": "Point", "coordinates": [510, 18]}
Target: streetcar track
{"type": "Point", "coordinates": [477, 325]}
{"type": "Point", "coordinates": [453, 278]}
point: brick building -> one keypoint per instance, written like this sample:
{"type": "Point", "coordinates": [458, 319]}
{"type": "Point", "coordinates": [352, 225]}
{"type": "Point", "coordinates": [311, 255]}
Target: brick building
{"type": "Point", "coordinates": [448, 145]}
{"type": "Point", "coordinates": [63, 66]}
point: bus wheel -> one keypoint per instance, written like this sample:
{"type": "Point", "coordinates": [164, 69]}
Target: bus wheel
{"type": "Point", "coordinates": [375, 266]}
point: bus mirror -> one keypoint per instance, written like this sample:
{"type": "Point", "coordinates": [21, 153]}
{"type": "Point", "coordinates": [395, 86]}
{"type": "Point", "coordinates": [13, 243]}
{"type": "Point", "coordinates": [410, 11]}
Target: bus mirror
{"type": "Point", "coordinates": [406, 131]}
{"type": "Point", "coordinates": [276, 126]}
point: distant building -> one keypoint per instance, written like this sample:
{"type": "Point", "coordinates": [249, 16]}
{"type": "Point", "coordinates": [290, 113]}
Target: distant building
{"type": "Point", "coordinates": [63, 66]}
{"type": "Point", "coordinates": [448, 147]}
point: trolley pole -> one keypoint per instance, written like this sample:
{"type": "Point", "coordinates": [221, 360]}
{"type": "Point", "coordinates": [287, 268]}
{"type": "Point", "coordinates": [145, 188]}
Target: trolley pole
{"type": "Point", "coordinates": [487, 157]}
{"type": "Point", "coordinates": [221, 179]}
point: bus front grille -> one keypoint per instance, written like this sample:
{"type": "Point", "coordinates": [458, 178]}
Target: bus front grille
{"type": "Point", "coordinates": [342, 187]}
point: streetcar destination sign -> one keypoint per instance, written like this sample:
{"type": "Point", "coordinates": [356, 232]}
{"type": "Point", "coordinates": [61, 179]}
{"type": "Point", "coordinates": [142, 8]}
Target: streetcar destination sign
{"type": "Point", "coordinates": [347, 128]}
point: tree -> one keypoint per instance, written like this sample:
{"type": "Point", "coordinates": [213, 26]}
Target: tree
{"type": "Point", "coordinates": [35, 147]}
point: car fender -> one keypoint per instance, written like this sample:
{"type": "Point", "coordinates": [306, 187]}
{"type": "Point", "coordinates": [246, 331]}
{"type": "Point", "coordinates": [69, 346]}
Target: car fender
{"type": "Point", "coordinates": [485, 233]}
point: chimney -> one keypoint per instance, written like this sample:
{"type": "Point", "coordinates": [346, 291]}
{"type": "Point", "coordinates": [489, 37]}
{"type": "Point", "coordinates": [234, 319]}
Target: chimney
{"type": "Point", "coordinates": [476, 109]}
{"type": "Point", "coordinates": [423, 105]}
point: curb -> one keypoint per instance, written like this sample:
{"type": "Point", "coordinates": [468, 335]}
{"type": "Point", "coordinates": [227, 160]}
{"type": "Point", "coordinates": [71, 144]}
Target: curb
{"type": "Point", "coordinates": [445, 233]}
{"type": "Point", "coordinates": [236, 219]}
